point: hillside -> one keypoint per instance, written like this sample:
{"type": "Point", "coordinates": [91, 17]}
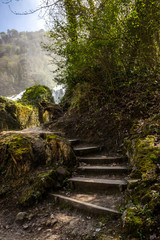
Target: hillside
{"type": "Point", "coordinates": [22, 62]}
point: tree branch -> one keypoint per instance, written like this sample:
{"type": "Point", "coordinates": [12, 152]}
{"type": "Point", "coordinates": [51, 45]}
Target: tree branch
{"type": "Point", "coordinates": [31, 11]}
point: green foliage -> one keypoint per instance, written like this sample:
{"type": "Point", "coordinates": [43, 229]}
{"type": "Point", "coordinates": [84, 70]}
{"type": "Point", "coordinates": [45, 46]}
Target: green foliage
{"type": "Point", "coordinates": [87, 97]}
{"type": "Point", "coordinates": [36, 94]}
{"type": "Point", "coordinates": [106, 41]}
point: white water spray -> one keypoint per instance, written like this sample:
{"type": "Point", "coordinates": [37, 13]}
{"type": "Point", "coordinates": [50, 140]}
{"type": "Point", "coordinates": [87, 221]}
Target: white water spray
{"type": "Point", "coordinates": [57, 92]}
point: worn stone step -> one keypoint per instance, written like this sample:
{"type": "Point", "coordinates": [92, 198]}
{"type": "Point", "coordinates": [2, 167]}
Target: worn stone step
{"type": "Point", "coordinates": [85, 206]}
{"type": "Point", "coordinates": [73, 141]}
{"type": "Point", "coordinates": [111, 176]}
{"type": "Point", "coordinates": [86, 150]}
{"type": "Point", "coordinates": [102, 159]}
{"type": "Point", "coordinates": [97, 184]}
{"type": "Point", "coordinates": [119, 170]}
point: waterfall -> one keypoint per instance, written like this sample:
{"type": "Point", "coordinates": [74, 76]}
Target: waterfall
{"type": "Point", "coordinates": [16, 97]}
{"type": "Point", "coordinates": [57, 92]}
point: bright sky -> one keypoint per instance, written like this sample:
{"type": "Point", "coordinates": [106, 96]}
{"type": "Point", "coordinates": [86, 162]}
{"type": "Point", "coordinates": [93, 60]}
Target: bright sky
{"type": "Point", "coordinates": [8, 20]}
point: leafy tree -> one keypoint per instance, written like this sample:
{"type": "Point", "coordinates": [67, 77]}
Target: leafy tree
{"type": "Point", "coordinates": [105, 41]}
{"type": "Point", "coordinates": [102, 41]}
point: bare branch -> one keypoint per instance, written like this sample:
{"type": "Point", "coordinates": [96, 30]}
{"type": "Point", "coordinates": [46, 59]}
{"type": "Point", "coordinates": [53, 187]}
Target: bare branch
{"type": "Point", "coordinates": [31, 11]}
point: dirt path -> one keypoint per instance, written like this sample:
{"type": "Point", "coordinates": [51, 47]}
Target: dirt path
{"type": "Point", "coordinates": [46, 221]}
{"type": "Point", "coordinates": [30, 131]}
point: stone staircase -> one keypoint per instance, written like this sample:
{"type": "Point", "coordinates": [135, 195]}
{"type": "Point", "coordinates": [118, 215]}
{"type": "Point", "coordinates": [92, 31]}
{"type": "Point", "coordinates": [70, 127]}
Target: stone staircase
{"type": "Point", "coordinates": [98, 183]}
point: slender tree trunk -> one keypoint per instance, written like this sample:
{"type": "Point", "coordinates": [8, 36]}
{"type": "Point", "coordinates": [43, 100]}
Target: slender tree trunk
{"type": "Point", "coordinates": [72, 20]}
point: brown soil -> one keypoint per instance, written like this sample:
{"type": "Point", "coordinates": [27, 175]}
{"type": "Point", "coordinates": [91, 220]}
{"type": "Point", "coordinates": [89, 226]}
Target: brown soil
{"type": "Point", "coordinates": [106, 117]}
{"type": "Point", "coordinates": [47, 221]}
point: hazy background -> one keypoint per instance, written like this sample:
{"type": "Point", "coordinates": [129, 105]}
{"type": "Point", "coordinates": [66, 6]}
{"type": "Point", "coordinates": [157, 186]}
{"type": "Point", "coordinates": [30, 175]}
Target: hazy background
{"type": "Point", "coordinates": [22, 61]}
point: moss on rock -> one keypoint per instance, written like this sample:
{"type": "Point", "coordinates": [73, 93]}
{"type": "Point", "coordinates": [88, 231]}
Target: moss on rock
{"type": "Point", "coordinates": [144, 154]}
{"type": "Point", "coordinates": [41, 185]}
{"type": "Point", "coordinates": [144, 157]}
{"type": "Point", "coordinates": [26, 113]}
{"type": "Point", "coordinates": [133, 219]}
{"type": "Point", "coordinates": [30, 166]}
{"type": "Point", "coordinates": [14, 116]}
{"type": "Point", "coordinates": [64, 150]}
{"type": "Point", "coordinates": [36, 94]}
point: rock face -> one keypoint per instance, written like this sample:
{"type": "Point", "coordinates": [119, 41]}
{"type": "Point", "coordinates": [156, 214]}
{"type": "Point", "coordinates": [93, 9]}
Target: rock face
{"type": "Point", "coordinates": [51, 111]}
{"type": "Point", "coordinates": [29, 112]}
{"type": "Point", "coordinates": [31, 165]}
{"type": "Point", "coordinates": [38, 96]}
{"type": "Point", "coordinates": [17, 116]}
{"type": "Point", "coordinates": [141, 216]}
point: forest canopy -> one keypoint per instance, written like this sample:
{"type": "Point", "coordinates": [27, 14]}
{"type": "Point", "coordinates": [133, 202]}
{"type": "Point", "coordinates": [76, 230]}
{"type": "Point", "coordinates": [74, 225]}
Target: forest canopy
{"type": "Point", "coordinates": [112, 42]}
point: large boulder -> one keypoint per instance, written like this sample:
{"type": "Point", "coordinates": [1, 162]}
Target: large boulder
{"type": "Point", "coordinates": [33, 164]}
{"type": "Point", "coordinates": [29, 111]}
{"type": "Point", "coordinates": [16, 116]}
{"type": "Point", "coordinates": [35, 95]}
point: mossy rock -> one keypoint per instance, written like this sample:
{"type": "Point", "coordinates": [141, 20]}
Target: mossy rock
{"type": "Point", "coordinates": [32, 165]}
{"type": "Point", "coordinates": [6, 120]}
{"type": "Point", "coordinates": [143, 151]}
{"type": "Point", "coordinates": [16, 155]}
{"type": "Point", "coordinates": [138, 222]}
{"type": "Point", "coordinates": [66, 155]}
{"type": "Point", "coordinates": [36, 94]}
{"type": "Point", "coordinates": [42, 184]}
{"type": "Point", "coordinates": [133, 219]}
{"type": "Point", "coordinates": [144, 157]}
{"type": "Point", "coordinates": [14, 116]}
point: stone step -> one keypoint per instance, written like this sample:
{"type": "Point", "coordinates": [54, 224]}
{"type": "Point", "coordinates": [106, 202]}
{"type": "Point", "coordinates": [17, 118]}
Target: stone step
{"type": "Point", "coordinates": [102, 159]}
{"type": "Point", "coordinates": [86, 150]}
{"type": "Point", "coordinates": [85, 206]}
{"type": "Point", "coordinates": [73, 141]}
{"type": "Point", "coordinates": [97, 184]}
{"type": "Point", "coordinates": [119, 170]}
{"type": "Point", "coordinates": [61, 134]}
{"type": "Point", "coordinates": [111, 176]}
